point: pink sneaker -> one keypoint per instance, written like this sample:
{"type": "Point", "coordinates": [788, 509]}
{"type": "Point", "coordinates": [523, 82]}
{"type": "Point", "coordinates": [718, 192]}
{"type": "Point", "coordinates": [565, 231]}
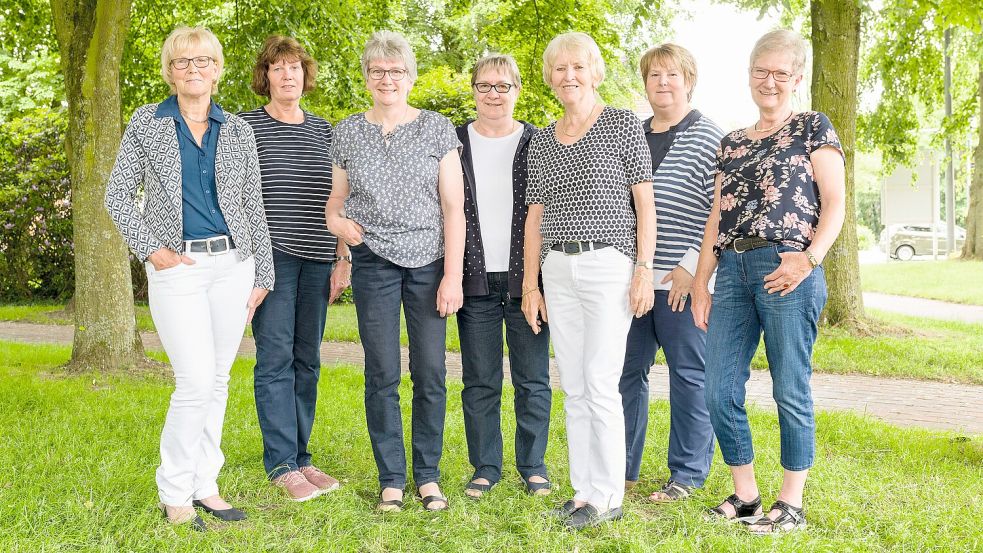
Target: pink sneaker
{"type": "Point", "coordinates": [296, 486]}
{"type": "Point", "coordinates": [323, 482]}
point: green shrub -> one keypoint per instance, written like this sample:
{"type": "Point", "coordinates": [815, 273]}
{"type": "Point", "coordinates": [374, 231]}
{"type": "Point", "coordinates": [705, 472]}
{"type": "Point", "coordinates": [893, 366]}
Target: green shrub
{"type": "Point", "coordinates": [865, 238]}
{"type": "Point", "coordinates": [36, 259]}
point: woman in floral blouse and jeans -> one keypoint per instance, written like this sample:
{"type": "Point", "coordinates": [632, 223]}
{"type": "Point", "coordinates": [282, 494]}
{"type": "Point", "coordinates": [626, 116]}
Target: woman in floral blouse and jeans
{"type": "Point", "coordinates": [778, 207]}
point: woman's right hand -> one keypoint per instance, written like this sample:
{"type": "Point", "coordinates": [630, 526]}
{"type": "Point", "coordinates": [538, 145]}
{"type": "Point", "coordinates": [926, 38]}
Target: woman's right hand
{"type": "Point", "coordinates": [534, 308]}
{"type": "Point", "coordinates": [166, 258]}
{"type": "Point", "coordinates": [347, 230]}
{"type": "Point", "coordinates": [702, 301]}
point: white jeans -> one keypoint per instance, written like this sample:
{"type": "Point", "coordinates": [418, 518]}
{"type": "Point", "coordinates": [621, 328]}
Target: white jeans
{"type": "Point", "coordinates": [589, 318]}
{"type": "Point", "coordinates": [200, 314]}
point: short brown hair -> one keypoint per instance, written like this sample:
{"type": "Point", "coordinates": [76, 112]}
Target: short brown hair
{"type": "Point", "coordinates": [277, 48]}
{"type": "Point", "coordinates": [670, 55]}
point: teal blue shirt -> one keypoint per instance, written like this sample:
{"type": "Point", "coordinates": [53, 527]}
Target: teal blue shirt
{"type": "Point", "coordinates": [202, 216]}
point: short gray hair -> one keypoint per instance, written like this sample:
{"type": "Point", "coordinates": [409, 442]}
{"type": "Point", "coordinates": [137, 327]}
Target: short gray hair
{"type": "Point", "coordinates": [573, 43]}
{"type": "Point", "coordinates": [502, 62]}
{"type": "Point", "coordinates": [387, 45]}
{"type": "Point", "coordinates": [782, 40]}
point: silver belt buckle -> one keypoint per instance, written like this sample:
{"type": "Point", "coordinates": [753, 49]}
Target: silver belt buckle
{"type": "Point", "coordinates": [220, 239]}
{"type": "Point", "coordinates": [736, 249]}
{"type": "Point", "coordinates": [580, 248]}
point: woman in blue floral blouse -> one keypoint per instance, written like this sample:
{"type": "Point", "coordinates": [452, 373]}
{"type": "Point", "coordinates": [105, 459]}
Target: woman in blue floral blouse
{"type": "Point", "coordinates": [778, 206]}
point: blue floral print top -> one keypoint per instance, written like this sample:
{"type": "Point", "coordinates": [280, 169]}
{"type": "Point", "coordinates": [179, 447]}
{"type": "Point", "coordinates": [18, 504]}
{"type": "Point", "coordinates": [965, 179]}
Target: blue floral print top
{"type": "Point", "coordinates": [768, 188]}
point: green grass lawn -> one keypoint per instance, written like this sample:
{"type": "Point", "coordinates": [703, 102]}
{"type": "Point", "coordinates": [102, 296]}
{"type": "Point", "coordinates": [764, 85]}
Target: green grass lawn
{"type": "Point", "coordinates": [79, 455]}
{"type": "Point", "coordinates": [954, 281]}
{"type": "Point", "coordinates": [912, 348]}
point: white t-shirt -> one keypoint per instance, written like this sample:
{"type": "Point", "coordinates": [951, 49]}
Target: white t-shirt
{"type": "Point", "coordinates": [492, 160]}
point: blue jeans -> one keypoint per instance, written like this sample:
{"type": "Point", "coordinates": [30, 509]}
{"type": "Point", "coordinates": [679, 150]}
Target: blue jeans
{"type": "Point", "coordinates": [690, 433]}
{"type": "Point", "coordinates": [742, 309]}
{"type": "Point", "coordinates": [479, 324]}
{"type": "Point", "coordinates": [288, 327]}
{"type": "Point", "coordinates": [380, 287]}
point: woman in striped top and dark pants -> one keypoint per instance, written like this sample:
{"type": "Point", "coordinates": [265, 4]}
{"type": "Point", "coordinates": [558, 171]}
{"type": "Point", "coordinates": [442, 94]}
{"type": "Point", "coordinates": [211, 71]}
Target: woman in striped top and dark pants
{"type": "Point", "coordinates": [294, 158]}
{"type": "Point", "coordinates": [683, 144]}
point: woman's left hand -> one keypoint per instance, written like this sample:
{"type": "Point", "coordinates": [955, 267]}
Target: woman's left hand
{"type": "Point", "coordinates": [341, 278]}
{"type": "Point", "coordinates": [641, 295]}
{"type": "Point", "coordinates": [256, 297]}
{"type": "Point", "coordinates": [794, 268]}
{"type": "Point", "coordinates": [682, 283]}
{"type": "Point", "coordinates": [450, 296]}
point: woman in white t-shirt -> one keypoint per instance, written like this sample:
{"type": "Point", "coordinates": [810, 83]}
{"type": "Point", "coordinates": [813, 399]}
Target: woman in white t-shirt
{"type": "Point", "coordinates": [495, 175]}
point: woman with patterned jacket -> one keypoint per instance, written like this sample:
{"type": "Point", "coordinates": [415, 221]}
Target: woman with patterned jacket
{"type": "Point", "coordinates": [202, 233]}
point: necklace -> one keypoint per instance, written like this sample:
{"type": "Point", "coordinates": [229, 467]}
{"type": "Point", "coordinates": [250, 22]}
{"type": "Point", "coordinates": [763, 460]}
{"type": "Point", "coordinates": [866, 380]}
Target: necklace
{"type": "Point", "coordinates": [478, 126]}
{"type": "Point", "coordinates": [775, 126]}
{"type": "Point", "coordinates": [189, 118]}
{"type": "Point", "coordinates": [387, 135]}
{"type": "Point", "coordinates": [582, 128]}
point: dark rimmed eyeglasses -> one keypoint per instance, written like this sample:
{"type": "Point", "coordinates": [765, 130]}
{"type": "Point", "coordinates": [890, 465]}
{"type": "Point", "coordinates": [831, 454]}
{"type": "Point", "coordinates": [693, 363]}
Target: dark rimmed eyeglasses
{"type": "Point", "coordinates": [779, 75]}
{"type": "Point", "coordinates": [377, 74]}
{"type": "Point", "coordinates": [501, 88]}
{"type": "Point", "coordinates": [200, 62]}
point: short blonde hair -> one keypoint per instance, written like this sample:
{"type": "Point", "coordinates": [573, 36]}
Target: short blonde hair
{"type": "Point", "coordinates": [573, 43]}
{"type": "Point", "coordinates": [670, 55]}
{"type": "Point", "coordinates": [782, 40]}
{"type": "Point", "coordinates": [279, 48]}
{"type": "Point", "coordinates": [184, 38]}
{"type": "Point", "coordinates": [387, 45]}
{"type": "Point", "coordinates": [502, 62]}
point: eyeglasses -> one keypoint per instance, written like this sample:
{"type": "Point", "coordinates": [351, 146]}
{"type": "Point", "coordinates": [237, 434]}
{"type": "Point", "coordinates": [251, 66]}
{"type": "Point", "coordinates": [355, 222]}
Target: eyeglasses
{"type": "Point", "coordinates": [762, 74]}
{"type": "Point", "coordinates": [395, 74]}
{"type": "Point", "coordinates": [201, 62]}
{"type": "Point", "coordinates": [501, 88]}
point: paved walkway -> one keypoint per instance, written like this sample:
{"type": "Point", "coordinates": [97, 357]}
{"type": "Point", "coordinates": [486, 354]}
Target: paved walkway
{"type": "Point", "coordinates": [919, 307]}
{"type": "Point", "coordinates": [934, 405]}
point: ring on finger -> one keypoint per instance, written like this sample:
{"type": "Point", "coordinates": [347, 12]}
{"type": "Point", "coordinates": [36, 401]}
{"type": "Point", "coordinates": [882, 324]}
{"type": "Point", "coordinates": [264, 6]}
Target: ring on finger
{"type": "Point", "coordinates": [786, 285]}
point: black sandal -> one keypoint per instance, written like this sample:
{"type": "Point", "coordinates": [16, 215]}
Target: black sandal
{"type": "Point", "coordinates": [389, 505]}
{"type": "Point", "coordinates": [674, 491]}
{"type": "Point", "coordinates": [790, 519]}
{"type": "Point", "coordinates": [749, 511]}
{"type": "Point", "coordinates": [431, 499]}
{"type": "Point", "coordinates": [480, 488]}
{"type": "Point", "coordinates": [538, 488]}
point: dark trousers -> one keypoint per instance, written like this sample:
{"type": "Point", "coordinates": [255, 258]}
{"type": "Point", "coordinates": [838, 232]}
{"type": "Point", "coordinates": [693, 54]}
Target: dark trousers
{"type": "Point", "coordinates": [690, 432]}
{"type": "Point", "coordinates": [479, 324]}
{"type": "Point", "coordinates": [380, 287]}
{"type": "Point", "coordinates": [288, 327]}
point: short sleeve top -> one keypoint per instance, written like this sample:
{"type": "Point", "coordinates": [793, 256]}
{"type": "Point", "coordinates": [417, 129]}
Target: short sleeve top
{"type": "Point", "coordinates": [768, 188]}
{"type": "Point", "coordinates": [393, 184]}
{"type": "Point", "coordinates": [585, 187]}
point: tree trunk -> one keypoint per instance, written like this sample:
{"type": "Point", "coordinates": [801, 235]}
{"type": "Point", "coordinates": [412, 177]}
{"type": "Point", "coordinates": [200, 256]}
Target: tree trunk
{"type": "Point", "coordinates": [91, 35]}
{"type": "Point", "coordinates": [835, 47]}
{"type": "Point", "coordinates": [973, 248]}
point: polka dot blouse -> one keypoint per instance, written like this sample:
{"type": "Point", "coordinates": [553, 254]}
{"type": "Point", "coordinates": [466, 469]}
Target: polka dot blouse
{"type": "Point", "coordinates": [393, 184]}
{"type": "Point", "coordinates": [585, 188]}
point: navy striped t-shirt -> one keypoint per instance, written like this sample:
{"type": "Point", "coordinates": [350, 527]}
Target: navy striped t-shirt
{"type": "Point", "coordinates": [295, 163]}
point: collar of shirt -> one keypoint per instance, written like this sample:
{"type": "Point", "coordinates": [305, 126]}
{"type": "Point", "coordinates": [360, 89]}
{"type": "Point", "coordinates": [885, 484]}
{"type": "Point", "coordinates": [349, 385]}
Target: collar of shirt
{"type": "Point", "coordinates": [169, 108]}
{"type": "Point", "coordinates": [692, 117]}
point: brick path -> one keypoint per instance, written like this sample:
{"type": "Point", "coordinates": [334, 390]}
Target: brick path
{"type": "Point", "coordinates": [927, 404]}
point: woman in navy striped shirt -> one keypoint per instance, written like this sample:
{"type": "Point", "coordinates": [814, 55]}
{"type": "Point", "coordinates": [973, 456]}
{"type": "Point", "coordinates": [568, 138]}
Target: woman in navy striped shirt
{"type": "Point", "coordinates": [683, 144]}
{"type": "Point", "coordinates": [312, 269]}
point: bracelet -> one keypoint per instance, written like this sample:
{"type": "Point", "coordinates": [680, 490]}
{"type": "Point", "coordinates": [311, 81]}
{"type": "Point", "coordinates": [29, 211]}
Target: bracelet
{"type": "Point", "coordinates": [530, 291]}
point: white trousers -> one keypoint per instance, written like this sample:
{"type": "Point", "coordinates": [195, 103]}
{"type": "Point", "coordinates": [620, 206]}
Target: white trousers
{"type": "Point", "coordinates": [200, 314]}
{"type": "Point", "coordinates": [589, 318]}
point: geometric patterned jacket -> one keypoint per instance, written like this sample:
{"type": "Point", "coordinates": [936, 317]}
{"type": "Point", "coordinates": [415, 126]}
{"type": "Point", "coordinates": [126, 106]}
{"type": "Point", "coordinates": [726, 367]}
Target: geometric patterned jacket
{"type": "Point", "coordinates": [149, 161]}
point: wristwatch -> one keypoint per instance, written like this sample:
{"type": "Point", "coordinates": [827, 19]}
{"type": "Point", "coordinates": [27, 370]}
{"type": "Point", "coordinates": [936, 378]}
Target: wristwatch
{"type": "Point", "coordinates": [646, 264]}
{"type": "Point", "coordinates": [347, 258]}
{"type": "Point", "coordinates": [812, 259]}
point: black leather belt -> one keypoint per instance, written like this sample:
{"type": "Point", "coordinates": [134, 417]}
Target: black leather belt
{"type": "Point", "coordinates": [214, 246]}
{"type": "Point", "coordinates": [577, 248]}
{"type": "Point", "coordinates": [741, 245]}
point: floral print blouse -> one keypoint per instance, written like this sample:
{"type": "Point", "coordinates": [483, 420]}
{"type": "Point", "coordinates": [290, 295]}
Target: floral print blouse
{"type": "Point", "coordinates": [768, 188]}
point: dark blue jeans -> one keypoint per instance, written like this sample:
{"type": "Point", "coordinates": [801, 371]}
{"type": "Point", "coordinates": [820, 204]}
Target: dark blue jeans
{"type": "Point", "coordinates": [380, 287]}
{"type": "Point", "coordinates": [288, 327]}
{"type": "Point", "coordinates": [742, 309]}
{"type": "Point", "coordinates": [479, 324]}
{"type": "Point", "coordinates": [690, 433]}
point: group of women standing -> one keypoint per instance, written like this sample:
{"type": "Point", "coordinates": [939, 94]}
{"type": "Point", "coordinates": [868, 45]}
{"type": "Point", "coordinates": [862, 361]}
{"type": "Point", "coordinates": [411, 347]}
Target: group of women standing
{"type": "Point", "coordinates": [600, 233]}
